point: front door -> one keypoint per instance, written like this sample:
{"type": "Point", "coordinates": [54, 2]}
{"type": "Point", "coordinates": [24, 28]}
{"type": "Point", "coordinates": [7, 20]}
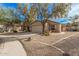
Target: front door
{"type": "Point", "coordinates": [52, 28]}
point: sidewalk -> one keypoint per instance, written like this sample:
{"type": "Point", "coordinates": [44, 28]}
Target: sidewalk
{"type": "Point", "coordinates": [12, 48]}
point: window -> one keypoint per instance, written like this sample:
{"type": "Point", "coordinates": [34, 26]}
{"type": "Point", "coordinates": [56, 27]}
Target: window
{"type": "Point", "coordinates": [52, 27]}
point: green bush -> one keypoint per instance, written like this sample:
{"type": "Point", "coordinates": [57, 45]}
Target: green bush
{"type": "Point", "coordinates": [15, 31]}
{"type": "Point", "coordinates": [1, 30]}
{"type": "Point", "coordinates": [46, 33]}
{"type": "Point", "coordinates": [25, 30]}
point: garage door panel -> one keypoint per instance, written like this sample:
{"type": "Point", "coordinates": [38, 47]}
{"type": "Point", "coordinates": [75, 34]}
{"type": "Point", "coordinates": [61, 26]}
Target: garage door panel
{"type": "Point", "coordinates": [37, 29]}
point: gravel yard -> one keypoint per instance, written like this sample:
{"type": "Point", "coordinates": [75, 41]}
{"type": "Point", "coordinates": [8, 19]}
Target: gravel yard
{"type": "Point", "coordinates": [35, 48]}
{"type": "Point", "coordinates": [53, 37]}
{"type": "Point", "coordinates": [53, 45]}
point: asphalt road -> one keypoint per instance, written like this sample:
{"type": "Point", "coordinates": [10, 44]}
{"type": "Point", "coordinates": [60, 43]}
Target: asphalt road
{"type": "Point", "coordinates": [70, 45]}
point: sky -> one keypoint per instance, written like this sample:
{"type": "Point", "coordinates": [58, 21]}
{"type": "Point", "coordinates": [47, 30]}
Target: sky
{"type": "Point", "coordinates": [74, 8]}
{"type": "Point", "coordinates": [8, 5]}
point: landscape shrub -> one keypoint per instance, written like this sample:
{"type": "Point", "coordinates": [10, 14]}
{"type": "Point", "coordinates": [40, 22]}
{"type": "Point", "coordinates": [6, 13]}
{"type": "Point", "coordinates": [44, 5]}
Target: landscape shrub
{"type": "Point", "coordinates": [25, 30]}
{"type": "Point", "coordinates": [46, 33]}
{"type": "Point", "coordinates": [15, 31]}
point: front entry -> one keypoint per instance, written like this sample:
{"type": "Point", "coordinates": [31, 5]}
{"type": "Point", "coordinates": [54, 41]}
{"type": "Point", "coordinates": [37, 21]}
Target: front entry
{"type": "Point", "coordinates": [52, 28]}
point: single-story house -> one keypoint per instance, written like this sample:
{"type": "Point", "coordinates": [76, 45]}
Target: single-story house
{"type": "Point", "coordinates": [15, 27]}
{"type": "Point", "coordinates": [57, 25]}
{"type": "Point", "coordinates": [1, 28]}
{"type": "Point", "coordinates": [74, 26]}
{"type": "Point", "coordinates": [5, 28]}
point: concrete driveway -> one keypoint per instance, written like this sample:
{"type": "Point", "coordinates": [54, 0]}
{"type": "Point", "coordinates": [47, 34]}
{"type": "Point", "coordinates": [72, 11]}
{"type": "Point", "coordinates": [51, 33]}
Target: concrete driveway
{"type": "Point", "coordinates": [11, 46]}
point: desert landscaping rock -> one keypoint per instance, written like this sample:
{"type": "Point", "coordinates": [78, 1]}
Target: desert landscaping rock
{"type": "Point", "coordinates": [34, 48]}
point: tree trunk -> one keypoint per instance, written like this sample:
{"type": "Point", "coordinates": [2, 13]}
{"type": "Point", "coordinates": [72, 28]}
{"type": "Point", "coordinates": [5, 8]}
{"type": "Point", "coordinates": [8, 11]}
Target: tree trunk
{"type": "Point", "coordinates": [43, 30]}
{"type": "Point", "coordinates": [23, 28]}
{"type": "Point", "coordinates": [28, 29]}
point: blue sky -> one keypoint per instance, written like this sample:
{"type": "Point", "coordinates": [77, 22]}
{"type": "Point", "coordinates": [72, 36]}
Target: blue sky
{"type": "Point", "coordinates": [74, 8]}
{"type": "Point", "coordinates": [8, 5]}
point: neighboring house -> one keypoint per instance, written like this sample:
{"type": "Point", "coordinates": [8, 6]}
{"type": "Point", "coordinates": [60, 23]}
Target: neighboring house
{"type": "Point", "coordinates": [17, 27]}
{"type": "Point", "coordinates": [58, 25]}
{"type": "Point", "coordinates": [1, 28]}
{"type": "Point", "coordinates": [75, 25]}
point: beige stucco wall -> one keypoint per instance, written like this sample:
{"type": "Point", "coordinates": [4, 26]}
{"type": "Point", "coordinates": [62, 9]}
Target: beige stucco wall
{"type": "Point", "coordinates": [58, 27]}
{"type": "Point", "coordinates": [46, 27]}
{"type": "Point", "coordinates": [37, 27]}
{"type": "Point", "coordinates": [1, 26]}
